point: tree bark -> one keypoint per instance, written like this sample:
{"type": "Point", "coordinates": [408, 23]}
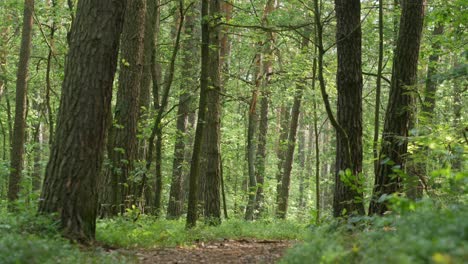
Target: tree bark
{"type": "Point", "coordinates": [70, 185]}
{"type": "Point", "coordinates": [398, 116]}
{"type": "Point", "coordinates": [212, 209]}
{"type": "Point", "coordinates": [122, 149]}
{"type": "Point", "coordinates": [192, 210]}
{"type": "Point", "coordinates": [189, 73]}
{"type": "Point", "coordinates": [348, 194]}
{"type": "Point", "coordinates": [19, 130]}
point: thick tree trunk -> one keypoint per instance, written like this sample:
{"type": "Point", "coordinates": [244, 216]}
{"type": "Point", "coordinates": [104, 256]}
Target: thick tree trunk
{"type": "Point", "coordinates": [122, 149]}
{"type": "Point", "coordinates": [192, 211]}
{"type": "Point", "coordinates": [18, 136]}
{"type": "Point", "coordinates": [398, 115]}
{"type": "Point", "coordinates": [348, 195]}
{"type": "Point", "coordinates": [70, 185]}
{"type": "Point", "coordinates": [212, 209]}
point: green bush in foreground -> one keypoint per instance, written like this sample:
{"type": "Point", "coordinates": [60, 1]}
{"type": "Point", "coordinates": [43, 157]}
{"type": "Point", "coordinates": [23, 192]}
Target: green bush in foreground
{"type": "Point", "coordinates": [31, 239]}
{"type": "Point", "coordinates": [427, 235]}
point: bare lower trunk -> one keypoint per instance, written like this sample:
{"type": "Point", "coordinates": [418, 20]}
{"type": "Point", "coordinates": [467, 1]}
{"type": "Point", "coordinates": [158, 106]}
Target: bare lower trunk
{"type": "Point", "coordinates": [17, 148]}
{"type": "Point", "coordinates": [70, 185]}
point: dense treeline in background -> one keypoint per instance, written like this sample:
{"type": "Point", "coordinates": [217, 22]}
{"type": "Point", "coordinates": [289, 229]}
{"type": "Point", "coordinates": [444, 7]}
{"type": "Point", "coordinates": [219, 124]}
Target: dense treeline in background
{"type": "Point", "coordinates": [216, 110]}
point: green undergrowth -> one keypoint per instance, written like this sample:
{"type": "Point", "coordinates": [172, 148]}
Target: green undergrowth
{"type": "Point", "coordinates": [148, 232]}
{"type": "Point", "coordinates": [27, 238]}
{"type": "Point", "coordinates": [425, 234]}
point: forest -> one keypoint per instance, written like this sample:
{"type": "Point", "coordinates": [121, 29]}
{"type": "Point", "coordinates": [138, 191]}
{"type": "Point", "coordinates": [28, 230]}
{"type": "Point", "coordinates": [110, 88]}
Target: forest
{"type": "Point", "coordinates": [233, 131]}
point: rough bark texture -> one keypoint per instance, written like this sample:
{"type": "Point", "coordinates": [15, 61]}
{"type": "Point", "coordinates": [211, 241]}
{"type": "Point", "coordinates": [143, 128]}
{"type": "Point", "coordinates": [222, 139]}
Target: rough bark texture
{"type": "Point", "coordinates": [202, 105]}
{"type": "Point", "coordinates": [398, 115]}
{"type": "Point", "coordinates": [122, 148]}
{"type": "Point", "coordinates": [283, 200]}
{"type": "Point", "coordinates": [212, 207]}
{"type": "Point", "coordinates": [348, 195]}
{"type": "Point", "coordinates": [70, 185]}
{"type": "Point", "coordinates": [189, 74]}
{"type": "Point", "coordinates": [283, 117]}
{"type": "Point", "coordinates": [19, 130]}
{"type": "Point", "coordinates": [427, 109]}
{"type": "Point", "coordinates": [261, 152]}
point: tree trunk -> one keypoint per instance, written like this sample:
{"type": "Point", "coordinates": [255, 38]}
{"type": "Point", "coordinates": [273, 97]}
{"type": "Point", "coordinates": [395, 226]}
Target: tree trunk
{"type": "Point", "coordinates": [287, 165]}
{"type": "Point", "coordinates": [122, 149]}
{"type": "Point", "coordinates": [283, 117]}
{"type": "Point", "coordinates": [189, 73]}
{"type": "Point", "coordinates": [398, 115]}
{"type": "Point", "coordinates": [301, 152]}
{"type": "Point", "coordinates": [378, 89]}
{"type": "Point", "coordinates": [192, 210]}
{"type": "Point", "coordinates": [261, 152]}
{"type": "Point", "coordinates": [348, 195]}
{"type": "Point", "coordinates": [17, 148]}
{"type": "Point", "coordinates": [70, 185]}
{"type": "Point", "coordinates": [430, 90]}
{"type": "Point", "coordinates": [212, 209]}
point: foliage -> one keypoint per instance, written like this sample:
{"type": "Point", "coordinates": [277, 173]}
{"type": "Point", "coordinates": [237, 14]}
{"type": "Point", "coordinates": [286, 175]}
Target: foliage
{"type": "Point", "coordinates": [29, 238]}
{"type": "Point", "coordinates": [430, 234]}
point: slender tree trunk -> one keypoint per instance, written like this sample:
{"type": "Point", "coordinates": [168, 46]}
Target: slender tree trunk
{"type": "Point", "coordinates": [17, 148]}
{"type": "Point", "coordinates": [36, 174]}
{"type": "Point", "coordinates": [70, 185]}
{"type": "Point", "coordinates": [189, 72]}
{"type": "Point", "coordinates": [158, 127]}
{"type": "Point", "coordinates": [283, 117]}
{"type": "Point", "coordinates": [378, 89]}
{"type": "Point", "coordinates": [416, 167]}
{"type": "Point", "coordinates": [398, 115]}
{"type": "Point", "coordinates": [301, 152]}
{"type": "Point", "coordinates": [287, 165]}
{"type": "Point", "coordinates": [430, 90]}
{"type": "Point", "coordinates": [261, 152]}
{"type": "Point", "coordinates": [192, 214]}
{"type": "Point", "coordinates": [316, 139]}
{"type": "Point", "coordinates": [49, 69]}
{"type": "Point", "coordinates": [122, 149]}
{"type": "Point", "coordinates": [348, 195]}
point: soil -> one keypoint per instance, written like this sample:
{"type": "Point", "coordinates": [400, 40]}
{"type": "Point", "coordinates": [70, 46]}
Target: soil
{"type": "Point", "coordinates": [227, 251]}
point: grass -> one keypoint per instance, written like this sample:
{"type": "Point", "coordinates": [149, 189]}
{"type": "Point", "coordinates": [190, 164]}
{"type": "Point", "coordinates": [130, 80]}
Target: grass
{"type": "Point", "coordinates": [149, 232]}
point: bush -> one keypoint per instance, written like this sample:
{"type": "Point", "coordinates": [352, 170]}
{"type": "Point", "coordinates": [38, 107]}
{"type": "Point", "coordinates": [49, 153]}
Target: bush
{"type": "Point", "coordinates": [427, 235]}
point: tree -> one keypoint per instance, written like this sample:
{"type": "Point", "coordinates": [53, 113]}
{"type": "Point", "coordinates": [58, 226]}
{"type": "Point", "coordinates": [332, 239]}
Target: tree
{"type": "Point", "coordinates": [189, 72]}
{"type": "Point", "coordinates": [17, 147]}
{"type": "Point", "coordinates": [70, 185]}
{"type": "Point", "coordinates": [202, 105]}
{"type": "Point", "coordinates": [388, 178]}
{"type": "Point", "coordinates": [122, 139]}
{"type": "Point", "coordinates": [212, 212]}
{"type": "Point", "coordinates": [256, 150]}
{"type": "Point", "coordinates": [348, 196]}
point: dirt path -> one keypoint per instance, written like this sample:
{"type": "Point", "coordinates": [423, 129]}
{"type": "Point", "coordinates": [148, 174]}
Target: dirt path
{"type": "Point", "coordinates": [228, 251]}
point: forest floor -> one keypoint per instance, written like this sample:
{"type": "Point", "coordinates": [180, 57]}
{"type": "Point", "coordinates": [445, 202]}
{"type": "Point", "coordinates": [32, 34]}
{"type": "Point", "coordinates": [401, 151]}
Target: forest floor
{"type": "Point", "coordinates": [226, 251]}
